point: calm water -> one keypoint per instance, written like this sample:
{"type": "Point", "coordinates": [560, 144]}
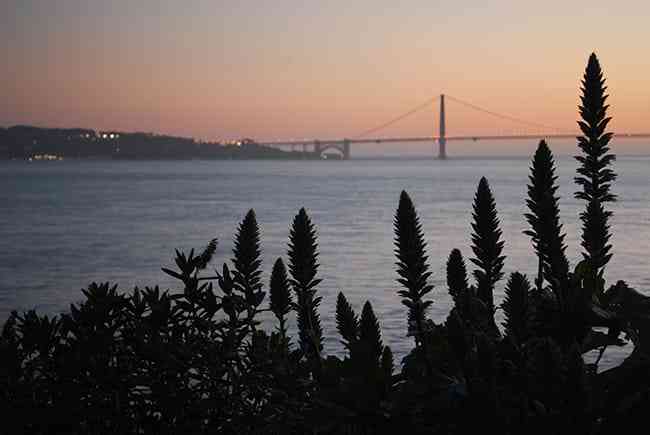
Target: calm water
{"type": "Point", "coordinates": [65, 224]}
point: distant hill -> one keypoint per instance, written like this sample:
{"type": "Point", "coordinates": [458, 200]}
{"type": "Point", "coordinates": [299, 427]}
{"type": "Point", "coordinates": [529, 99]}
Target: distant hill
{"type": "Point", "coordinates": [25, 142]}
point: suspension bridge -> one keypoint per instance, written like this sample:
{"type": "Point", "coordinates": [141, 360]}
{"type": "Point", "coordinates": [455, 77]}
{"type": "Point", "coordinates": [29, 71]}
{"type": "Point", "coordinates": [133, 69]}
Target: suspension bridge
{"type": "Point", "coordinates": [343, 146]}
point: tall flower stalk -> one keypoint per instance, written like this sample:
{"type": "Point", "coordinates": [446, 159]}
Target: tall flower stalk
{"type": "Point", "coordinates": [412, 267]}
{"type": "Point", "coordinates": [303, 267]}
{"type": "Point", "coordinates": [544, 220]}
{"type": "Point", "coordinates": [486, 244]}
{"type": "Point", "coordinates": [594, 173]}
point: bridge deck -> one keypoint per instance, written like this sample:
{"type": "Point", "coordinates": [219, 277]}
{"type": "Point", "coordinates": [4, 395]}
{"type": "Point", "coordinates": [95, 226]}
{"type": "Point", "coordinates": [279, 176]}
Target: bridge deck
{"type": "Point", "coordinates": [434, 138]}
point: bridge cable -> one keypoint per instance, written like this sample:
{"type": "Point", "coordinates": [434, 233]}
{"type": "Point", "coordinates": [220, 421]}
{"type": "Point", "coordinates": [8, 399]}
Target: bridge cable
{"type": "Point", "coordinates": [500, 115]}
{"type": "Point", "coordinates": [397, 119]}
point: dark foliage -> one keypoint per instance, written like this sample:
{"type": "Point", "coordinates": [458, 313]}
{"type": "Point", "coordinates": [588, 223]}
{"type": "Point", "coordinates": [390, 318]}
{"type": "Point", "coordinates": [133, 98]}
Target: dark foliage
{"type": "Point", "coordinates": [412, 267]}
{"type": "Point", "coordinates": [487, 247]}
{"type": "Point", "coordinates": [354, 390]}
{"type": "Point", "coordinates": [517, 308]}
{"type": "Point", "coordinates": [468, 307]}
{"type": "Point", "coordinates": [280, 299]}
{"type": "Point", "coordinates": [457, 277]}
{"type": "Point", "coordinates": [347, 323]}
{"type": "Point", "coordinates": [486, 243]}
{"type": "Point", "coordinates": [596, 236]}
{"type": "Point", "coordinates": [247, 262]}
{"type": "Point", "coordinates": [195, 360]}
{"type": "Point", "coordinates": [594, 173]}
{"type": "Point", "coordinates": [544, 220]}
{"type": "Point", "coordinates": [207, 254]}
{"type": "Point", "coordinates": [303, 266]}
{"type": "Point", "coordinates": [387, 362]}
{"type": "Point", "coordinates": [369, 333]}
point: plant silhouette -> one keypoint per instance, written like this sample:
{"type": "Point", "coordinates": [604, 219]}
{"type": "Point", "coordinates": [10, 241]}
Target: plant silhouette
{"type": "Point", "coordinates": [594, 173]}
{"type": "Point", "coordinates": [544, 220]}
{"type": "Point", "coordinates": [303, 266]}
{"type": "Point", "coordinates": [487, 247]}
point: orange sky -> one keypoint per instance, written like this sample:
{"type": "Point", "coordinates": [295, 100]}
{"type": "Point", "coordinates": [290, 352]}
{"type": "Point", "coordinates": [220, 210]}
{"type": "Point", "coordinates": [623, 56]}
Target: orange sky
{"type": "Point", "coordinates": [315, 69]}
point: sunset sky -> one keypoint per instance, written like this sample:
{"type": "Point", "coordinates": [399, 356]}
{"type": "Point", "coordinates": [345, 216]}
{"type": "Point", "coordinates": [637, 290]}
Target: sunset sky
{"type": "Point", "coordinates": [215, 69]}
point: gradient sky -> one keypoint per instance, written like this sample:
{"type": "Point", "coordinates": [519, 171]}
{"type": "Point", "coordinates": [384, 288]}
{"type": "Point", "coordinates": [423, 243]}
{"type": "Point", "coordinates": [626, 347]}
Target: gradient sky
{"type": "Point", "coordinates": [217, 69]}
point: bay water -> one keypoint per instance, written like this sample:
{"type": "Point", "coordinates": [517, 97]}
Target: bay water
{"type": "Point", "coordinates": [64, 224]}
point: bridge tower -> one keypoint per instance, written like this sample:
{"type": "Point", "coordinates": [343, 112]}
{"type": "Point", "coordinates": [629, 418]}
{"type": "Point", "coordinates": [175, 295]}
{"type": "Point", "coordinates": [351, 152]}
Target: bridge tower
{"type": "Point", "coordinates": [346, 149]}
{"type": "Point", "coordinates": [442, 138]}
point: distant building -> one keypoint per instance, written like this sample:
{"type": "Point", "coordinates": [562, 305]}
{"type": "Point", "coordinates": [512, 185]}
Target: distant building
{"type": "Point", "coordinates": [109, 135]}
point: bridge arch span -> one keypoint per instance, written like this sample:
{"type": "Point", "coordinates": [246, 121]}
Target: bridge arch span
{"type": "Point", "coordinates": [342, 147]}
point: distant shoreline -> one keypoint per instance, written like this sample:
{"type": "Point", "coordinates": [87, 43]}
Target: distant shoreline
{"type": "Point", "coordinates": [35, 143]}
{"type": "Point", "coordinates": [295, 158]}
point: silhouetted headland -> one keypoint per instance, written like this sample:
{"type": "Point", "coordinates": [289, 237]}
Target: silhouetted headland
{"type": "Point", "coordinates": [29, 142]}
